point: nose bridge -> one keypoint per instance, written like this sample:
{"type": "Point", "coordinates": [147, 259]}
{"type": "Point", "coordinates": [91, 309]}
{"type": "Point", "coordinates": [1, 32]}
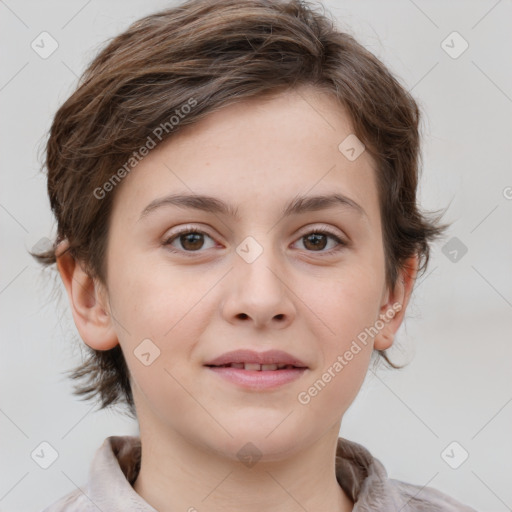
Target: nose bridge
{"type": "Point", "coordinates": [259, 292]}
{"type": "Point", "coordinates": [257, 267]}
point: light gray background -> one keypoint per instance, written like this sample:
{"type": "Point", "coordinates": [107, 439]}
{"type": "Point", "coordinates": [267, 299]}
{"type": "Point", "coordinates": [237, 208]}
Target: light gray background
{"type": "Point", "coordinates": [458, 385]}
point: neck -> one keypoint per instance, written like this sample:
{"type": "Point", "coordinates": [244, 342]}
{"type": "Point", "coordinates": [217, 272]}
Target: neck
{"type": "Point", "coordinates": [176, 474]}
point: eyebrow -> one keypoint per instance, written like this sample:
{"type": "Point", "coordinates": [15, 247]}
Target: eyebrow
{"type": "Point", "coordinates": [298, 205]}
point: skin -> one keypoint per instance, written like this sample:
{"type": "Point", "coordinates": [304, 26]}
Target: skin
{"type": "Point", "coordinates": [311, 302]}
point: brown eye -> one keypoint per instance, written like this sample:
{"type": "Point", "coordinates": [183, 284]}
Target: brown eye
{"type": "Point", "coordinates": [191, 241]}
{"type": "Point", "coordinates": [318, 240]}
{"type": "Point", "coordinates": [315, 241]}
{"type": "Point", "coordinates": [188, 241]}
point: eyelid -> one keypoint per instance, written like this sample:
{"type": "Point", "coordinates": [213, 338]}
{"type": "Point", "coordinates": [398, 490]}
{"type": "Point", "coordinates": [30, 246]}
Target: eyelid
{"type": "Point", "coordinates": [306, 230]}
{"type": "Point", "coordinates": [187, 228]}
{"type": "Point", "coordinates": [323, 228]}
{"type": "Point", "coordinates": [341, 239]}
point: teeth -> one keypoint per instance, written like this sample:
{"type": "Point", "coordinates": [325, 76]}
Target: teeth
{"type": "Point", "coordinates": [259, 367]}
{"type": "Point", "coordinates": [252, 366]}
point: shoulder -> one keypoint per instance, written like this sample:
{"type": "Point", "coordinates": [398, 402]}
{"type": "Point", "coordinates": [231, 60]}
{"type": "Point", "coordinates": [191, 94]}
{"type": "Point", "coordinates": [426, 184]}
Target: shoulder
{"type": "Point", "coordinates": [417, 498]}
{"type": "Point", "coordinates": [73, 502]}
{"type": "Point", "coordinates": [85, 501]}
{"type": "Point", "coordinates": [366, 482]}
{"type": "Point", "coordinates": [109, 487]}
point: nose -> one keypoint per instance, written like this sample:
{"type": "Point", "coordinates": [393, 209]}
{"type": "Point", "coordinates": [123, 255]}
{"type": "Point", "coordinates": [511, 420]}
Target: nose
{"type": "Point", "coordinates": [259, 294]}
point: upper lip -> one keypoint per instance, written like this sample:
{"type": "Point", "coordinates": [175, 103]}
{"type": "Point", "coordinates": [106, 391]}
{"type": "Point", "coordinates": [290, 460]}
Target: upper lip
{"type": "Point", "coordinates": [250, 356]}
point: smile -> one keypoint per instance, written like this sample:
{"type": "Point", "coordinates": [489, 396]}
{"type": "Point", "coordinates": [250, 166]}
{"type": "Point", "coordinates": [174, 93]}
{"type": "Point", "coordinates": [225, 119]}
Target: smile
{"type": "Point", "coordinates": [256, 366]}
{"type": "Point", "coordinates": [257, 377]}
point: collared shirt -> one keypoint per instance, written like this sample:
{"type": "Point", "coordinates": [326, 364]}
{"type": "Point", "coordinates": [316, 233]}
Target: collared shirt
{"type": "Point", "coordinates": [116, 464]}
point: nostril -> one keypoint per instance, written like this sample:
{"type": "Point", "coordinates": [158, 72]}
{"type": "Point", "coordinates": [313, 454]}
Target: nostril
{"type": "Point", "coordinates": [243, 316]}
{"type": "Point", "coordinates": [279, 317]}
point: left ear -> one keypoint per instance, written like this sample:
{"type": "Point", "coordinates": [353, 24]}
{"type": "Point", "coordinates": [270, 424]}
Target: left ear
{"type": "Point", "coordinates": [392, 311]}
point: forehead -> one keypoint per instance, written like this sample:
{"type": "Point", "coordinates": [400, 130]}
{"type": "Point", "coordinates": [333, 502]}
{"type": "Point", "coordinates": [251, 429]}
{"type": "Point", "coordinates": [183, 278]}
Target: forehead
{"type": "Point", "coordinates": [256, 154]}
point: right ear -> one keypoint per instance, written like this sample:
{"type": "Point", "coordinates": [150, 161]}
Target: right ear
{"type": "Point", "coordinates": [88, 302]}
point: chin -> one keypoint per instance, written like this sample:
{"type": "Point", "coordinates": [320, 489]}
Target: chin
{"type": "Point", "coordinates": [262, 444]}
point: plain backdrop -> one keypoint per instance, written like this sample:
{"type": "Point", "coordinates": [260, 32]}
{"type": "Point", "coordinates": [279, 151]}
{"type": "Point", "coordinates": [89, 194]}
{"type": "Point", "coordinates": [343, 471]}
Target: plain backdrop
{"type": "Point", "coordinates": [458, 385]}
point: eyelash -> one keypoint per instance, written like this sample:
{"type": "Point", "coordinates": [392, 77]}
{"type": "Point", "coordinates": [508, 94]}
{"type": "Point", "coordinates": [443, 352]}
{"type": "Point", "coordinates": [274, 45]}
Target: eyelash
{"type": "Point", "coordinates": [191, 230]}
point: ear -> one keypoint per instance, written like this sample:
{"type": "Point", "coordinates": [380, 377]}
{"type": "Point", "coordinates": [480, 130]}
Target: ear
{"type": "Point", "coordinates": [395, 302]}
{"type": "Point", "coordinates": [87, 299]}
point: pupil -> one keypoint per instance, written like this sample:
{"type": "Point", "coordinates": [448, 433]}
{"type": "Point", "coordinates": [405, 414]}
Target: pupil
{"type": "Point", "coordinates": [315, 239]}
{"type": "Point", "coordinates": [194, 238]}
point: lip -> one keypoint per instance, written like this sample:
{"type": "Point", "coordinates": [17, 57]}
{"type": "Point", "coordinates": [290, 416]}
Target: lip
{"type": "Point", "coordinates": [250, 356]}
{"type": "Point", "coordinates": [257, 380]}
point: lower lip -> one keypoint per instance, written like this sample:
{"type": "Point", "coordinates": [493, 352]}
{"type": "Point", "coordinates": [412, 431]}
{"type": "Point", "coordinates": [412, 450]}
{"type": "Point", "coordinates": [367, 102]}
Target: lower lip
{"type": "Point", "coordinates": [255, 379]}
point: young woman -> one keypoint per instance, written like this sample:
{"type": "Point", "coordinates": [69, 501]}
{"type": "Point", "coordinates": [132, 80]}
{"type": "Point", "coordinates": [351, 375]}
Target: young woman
{"type": "Point", "coordinates": [238, 232]}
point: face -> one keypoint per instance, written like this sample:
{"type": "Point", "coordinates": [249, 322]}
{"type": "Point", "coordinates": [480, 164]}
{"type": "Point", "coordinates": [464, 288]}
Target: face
{"type": "Point", "coordinates": [186, 285]}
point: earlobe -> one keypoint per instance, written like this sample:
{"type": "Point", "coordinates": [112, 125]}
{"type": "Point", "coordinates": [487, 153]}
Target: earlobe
{"type": "Point", "coordinates": [392, 311]}
{"type": "Point", "coordinates": [87, 301]}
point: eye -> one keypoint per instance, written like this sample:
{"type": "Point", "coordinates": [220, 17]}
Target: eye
{"type": "Point", "coordinates": [318, 239]}
{"type": "Point", "coordinates": [188, 240]}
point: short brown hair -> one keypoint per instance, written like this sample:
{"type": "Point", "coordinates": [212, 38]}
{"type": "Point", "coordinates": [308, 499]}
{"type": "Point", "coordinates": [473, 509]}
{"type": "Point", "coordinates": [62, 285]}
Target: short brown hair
{"type": "Point", "coordinates": [220, 52]}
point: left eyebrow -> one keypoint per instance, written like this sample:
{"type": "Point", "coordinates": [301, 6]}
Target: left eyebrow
{"type": "Point", "coordinates": [301, 204]}
{"type": "Point", "coordinates": [298, 205]}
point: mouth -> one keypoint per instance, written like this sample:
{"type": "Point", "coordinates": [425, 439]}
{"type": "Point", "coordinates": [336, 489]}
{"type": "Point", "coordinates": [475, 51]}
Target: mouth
{"type": "Point", "coordinates": [257, 367]}
{"type": "Point", "coordinates": [256, 377]}
{"type": "Point", "coordinates": [257, 371]}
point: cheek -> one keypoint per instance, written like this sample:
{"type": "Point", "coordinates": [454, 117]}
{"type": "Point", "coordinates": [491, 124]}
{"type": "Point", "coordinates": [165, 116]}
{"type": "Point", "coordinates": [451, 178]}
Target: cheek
{"type": "Point", "coordinates": [157, 300]}
{"type": "Point", "coordinates": [349, 302]}
{"type": "Point", "coordinates": [346, 349]}
{"type": "Point", "coordinates": [161, 314]}
{"type": "Point", "coordinates": [348, 306]}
